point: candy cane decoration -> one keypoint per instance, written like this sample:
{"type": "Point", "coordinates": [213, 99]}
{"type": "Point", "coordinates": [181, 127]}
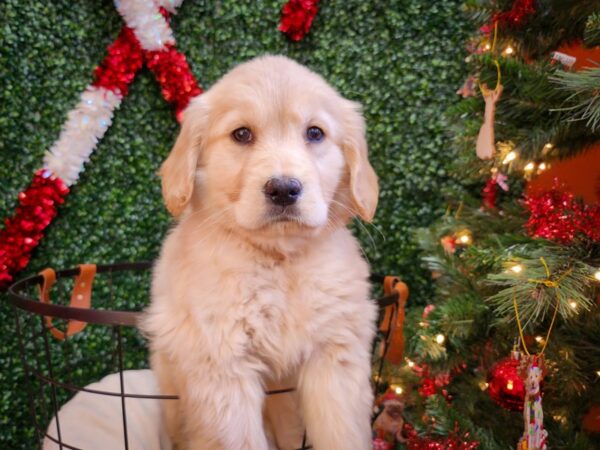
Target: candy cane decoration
{"type": "Point", "coordinates": [147, 37]}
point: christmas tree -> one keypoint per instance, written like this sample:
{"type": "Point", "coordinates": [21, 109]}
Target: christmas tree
{"type": "Point", "coordinates": [516, 269]}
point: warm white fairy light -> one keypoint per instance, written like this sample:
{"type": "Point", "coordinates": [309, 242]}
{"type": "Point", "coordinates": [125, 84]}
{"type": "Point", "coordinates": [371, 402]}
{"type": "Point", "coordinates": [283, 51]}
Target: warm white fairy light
{"type": "Point", "coordinates": [597, 275]}
{"type": "Point", "coordinates": [510, 156]}
{"type": "Point", "coordinates": [440, 338]}
{"type": "Point", "coordinates": [509, 50]}
{"type": "Point", "coordinates": [517, 268]}
{"type": "Point", "coordinates": [539, 339]}
{"type": "Point", "coordinates": [398, 390]}
{"type": "Point", "coordinates": [410, 363]}
{"type": "Point", "coordinates": [548, 146]}
{"type": "Point", "coordinates": [487, 46]}
{"type": "Point", "coordinates": [529, 167]}
{"type": "Point", "coordinates": [573, 304]}
{"type": "Point", "coordinates": [483, 385]}
{"type": "Point", "coordinates": [598, 372]}
{"type": "Point", "coordinates": [542, 166]}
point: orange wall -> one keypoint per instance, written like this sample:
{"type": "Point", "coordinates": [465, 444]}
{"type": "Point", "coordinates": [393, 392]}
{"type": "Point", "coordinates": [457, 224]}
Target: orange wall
{"type": "Point", "coordinates": [580, 174]}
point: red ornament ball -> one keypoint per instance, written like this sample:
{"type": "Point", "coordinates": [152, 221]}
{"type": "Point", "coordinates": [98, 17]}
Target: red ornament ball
{"type": "Point", "coordinates": [505, 385]}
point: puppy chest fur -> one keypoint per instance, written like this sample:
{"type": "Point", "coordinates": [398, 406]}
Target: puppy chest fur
{"type": "Point", "coordinates": [273, 313]}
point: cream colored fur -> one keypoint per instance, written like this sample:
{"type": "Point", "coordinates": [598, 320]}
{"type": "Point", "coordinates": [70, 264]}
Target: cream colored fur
{"type": "Point", "coordinates": [241, 301]}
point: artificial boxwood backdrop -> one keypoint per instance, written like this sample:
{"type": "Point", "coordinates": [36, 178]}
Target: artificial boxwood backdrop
{"type": "Point", "coordinates": [402, 59]}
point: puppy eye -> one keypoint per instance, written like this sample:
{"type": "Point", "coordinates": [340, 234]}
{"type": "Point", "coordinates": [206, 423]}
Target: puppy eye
{"type": "Point", "coordinates": [315, 134]}
{"type": "Point", "coordinates": [242, 135]}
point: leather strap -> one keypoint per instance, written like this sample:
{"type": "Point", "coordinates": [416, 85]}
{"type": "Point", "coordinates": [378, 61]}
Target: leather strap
{"type": "Point", "coordinates": [392, 325]}
{"type": "Point", "coordinates": [80, 298]}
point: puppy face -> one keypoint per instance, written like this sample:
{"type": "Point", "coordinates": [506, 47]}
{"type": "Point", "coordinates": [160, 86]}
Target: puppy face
{"type": "Point", "coordinates": [272, 149]}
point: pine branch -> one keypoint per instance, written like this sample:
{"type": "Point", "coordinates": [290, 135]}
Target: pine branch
{"type": "Point", "coordinates": [583, 88]}
{"type": "Point", "coordinates": [536, 294]}
{"type": "Point", "coordinates": [591, 34]}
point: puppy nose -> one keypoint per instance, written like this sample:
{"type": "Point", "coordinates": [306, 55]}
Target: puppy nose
{"type": "Point", "coordinates": [283, 191]}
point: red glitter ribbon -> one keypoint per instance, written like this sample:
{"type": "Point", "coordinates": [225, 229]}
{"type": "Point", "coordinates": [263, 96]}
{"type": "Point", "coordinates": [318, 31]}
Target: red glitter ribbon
{"type": "Point", "coordinates": [297, 17]}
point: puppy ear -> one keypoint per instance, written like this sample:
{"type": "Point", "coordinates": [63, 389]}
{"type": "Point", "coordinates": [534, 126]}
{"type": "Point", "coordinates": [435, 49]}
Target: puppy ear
{"type": "Point", "coordinates": [363, 180]}
{"type": "Point", "coordinates": [179, 169]}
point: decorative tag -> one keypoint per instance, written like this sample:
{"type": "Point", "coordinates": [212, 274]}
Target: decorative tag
{"type": "Point", "coordinates": [564, 59]}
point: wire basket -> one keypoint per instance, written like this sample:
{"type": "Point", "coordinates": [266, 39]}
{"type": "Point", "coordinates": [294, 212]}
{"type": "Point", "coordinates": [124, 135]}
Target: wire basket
{"type": "Point", "coordinates": [104, 339]}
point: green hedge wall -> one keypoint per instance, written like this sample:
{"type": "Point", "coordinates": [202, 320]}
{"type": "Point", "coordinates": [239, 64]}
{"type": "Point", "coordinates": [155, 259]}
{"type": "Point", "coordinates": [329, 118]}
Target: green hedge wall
{"type": "Point", "coordinates": [402, 59]}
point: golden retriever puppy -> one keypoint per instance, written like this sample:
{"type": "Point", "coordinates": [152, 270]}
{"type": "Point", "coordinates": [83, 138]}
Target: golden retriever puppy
{"type": "Point", "coordinates": [260, 280]}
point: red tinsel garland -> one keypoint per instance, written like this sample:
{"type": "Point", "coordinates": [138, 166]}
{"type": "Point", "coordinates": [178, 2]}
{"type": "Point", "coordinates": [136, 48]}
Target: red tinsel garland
{"type": "Point", "coordinates": [515, 17]}
{"type": "Point", "coordinates": [23, 231]}
{"type": "Point", "coordinates": [560, 216]}
{"type": "Point", "coordinates": [38, 203]}
{"type": "Point", "coordinates": [171, 70]}
{"type": "Point", "coordinates": [297, 17]}
{"type": "Point", "coordinates": [455, 441]}
{"type": "Point", "coordinates": [121, 64]}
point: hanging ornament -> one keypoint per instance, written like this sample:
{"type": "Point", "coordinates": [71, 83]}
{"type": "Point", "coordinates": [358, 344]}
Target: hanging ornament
{"type": "Point", "coordinates": [490, 190]}
{"type": "Point", "coordinates": [534, 436]}
{"type": "Point", "coordinates": [448, 244]}
{"type": "Point", "coordinates": [468, 87]}
{"type": "Point", "coordinates": [485, 146]}
{"type": "Point", "coordinates": [389, 424]}
{"type": "Point", "coordinates": [505, 385]}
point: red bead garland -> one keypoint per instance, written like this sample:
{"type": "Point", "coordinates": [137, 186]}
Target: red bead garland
{"type": "Point", "coordinates": [297, 17]}
{"type": "Point", "coordinates": [23, 231]}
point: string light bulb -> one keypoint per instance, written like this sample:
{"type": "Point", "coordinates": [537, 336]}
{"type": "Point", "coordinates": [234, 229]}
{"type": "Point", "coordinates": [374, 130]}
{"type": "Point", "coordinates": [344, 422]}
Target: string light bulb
{"type": "Point", "coordinates": [598, 372]}
{"type": "Point", "coordinates": [510, 385]}
{"type": "Point", "coordinates": [542, 167]}
{"type": "Point", "coordinates": [509, 50]}
{"type": "Point", "coordinates": [573, 304]}
{"type": "Point", "coordinates": [510, 156]}
{"type": "Point", "coordinates": [440, 338]}
{"type": "Point", "coordinates": [464, 237]}
{"type": "Point", "coordinates": [597, 275]}
{"type": "Point", "coordinates": [539, 339]}
{"type": "Point", "coordinates": [483, 385]}
{"type": "Point", "coordinates": [410, 363]}
{"type": "Point", "coordinates": [517, 268]}
{"type": "Point", "coordinates": [488, 46]}
{"type": "Point", "coordinates": [529, 167]}
{"type": "Point", "coordinates": [398, 390]}
{"type": "Point", "coordinates": [548, 146]}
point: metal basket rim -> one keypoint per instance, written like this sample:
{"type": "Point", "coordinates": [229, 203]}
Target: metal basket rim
{"type": "Point", "coordinates": [96, 316]}
{"type": "Point", "coordinates": [103, 316]}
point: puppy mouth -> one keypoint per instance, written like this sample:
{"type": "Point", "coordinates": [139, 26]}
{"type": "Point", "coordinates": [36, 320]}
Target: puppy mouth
{"type": "Point", "coordinates": [278, 214]}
